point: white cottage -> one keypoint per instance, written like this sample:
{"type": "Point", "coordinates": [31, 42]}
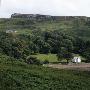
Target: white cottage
{"type": "Point", "coordinates": [76, 60]}
{"type": "Point", "coordinates": [11, 31]}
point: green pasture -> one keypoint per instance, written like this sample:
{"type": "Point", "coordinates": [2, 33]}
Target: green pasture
{"type": "Point", "coordinates": [49, 57]}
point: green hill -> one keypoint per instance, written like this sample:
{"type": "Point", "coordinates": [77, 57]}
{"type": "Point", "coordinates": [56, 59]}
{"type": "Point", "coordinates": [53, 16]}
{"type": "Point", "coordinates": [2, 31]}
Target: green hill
{"type": "Point", "coordinates": [22, 39]}
{"type": "Point", "coordinates": [44, 34]}
{"type": "Point", "coordinates": [75, 26]}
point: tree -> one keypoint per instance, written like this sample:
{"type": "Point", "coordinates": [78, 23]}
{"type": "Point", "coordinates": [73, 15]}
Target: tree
{"type": "Point", "coordinates": [33, 60]}
{"type": "Point", "coordinates": [64, 54]}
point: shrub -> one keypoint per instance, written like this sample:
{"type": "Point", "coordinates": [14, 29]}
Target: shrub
{"type": "Point", "coordinates": [33, 60]}
{"type": "Point", "coordinates": [46, 62]}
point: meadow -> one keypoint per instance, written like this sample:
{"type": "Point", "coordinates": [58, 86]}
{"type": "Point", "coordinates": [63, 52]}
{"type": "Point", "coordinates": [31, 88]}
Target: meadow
{"type": "Point", "coordinates": [49, 57]}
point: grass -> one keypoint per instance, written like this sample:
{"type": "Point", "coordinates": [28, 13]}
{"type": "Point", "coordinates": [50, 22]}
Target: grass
{"type": "Point", "coordinates": [49, 57]}
{"type": "Point", "coordinates": [17, 75]}
{"type": "Point", "coordinates": [24, 31]}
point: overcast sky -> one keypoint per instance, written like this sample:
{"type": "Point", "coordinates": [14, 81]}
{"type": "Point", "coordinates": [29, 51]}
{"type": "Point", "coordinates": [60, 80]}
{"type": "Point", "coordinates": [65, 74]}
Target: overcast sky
{"type": "Point", "coordinates": [49, 7]}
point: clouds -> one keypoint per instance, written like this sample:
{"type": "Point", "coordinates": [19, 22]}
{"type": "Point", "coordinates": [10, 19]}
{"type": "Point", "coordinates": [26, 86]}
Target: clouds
{"type": "Point", "coordinates": [50, 7]}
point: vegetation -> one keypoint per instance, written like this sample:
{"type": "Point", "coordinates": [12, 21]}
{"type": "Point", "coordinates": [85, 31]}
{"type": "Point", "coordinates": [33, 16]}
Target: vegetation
{"type": "Point", "coordinates": [33, 60]}
{"type": "Point", "coordinates": [43, 42]}
{"type": "Point", "coordinates": [17, 75]}
{"type": "Point", "coordinates": [64, 54]}
{"type": "Point", "coordinates": [37, 41]}
{"type": "Point", "coordinates": [46, 57]}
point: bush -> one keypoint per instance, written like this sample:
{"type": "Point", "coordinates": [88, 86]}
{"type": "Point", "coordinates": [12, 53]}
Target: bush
{"type": "Point", "coordinates": [33, 60]}
{"type": "Point", "coordinates": [34, 53]}
{"type": "Point", "coordinates": [46, 62]}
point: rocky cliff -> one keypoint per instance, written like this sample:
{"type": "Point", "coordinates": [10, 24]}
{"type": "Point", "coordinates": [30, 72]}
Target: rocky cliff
{"type": "Point", "coordinates": [47, 17]}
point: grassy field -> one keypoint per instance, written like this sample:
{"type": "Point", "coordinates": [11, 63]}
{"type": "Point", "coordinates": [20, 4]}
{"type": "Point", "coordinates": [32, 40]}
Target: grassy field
{"type": "Point", "coordinates": [16, 75]}
{"type": "Point", "coordinates": [53, 57]}
{"type": "Point", "coordinates": [49, 57]}
{"type": "Point", "coordinates": [24, 31]}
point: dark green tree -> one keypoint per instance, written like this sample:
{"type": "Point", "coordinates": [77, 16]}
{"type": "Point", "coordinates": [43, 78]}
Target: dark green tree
{"type": "Point", "coordinates": [64, 54]}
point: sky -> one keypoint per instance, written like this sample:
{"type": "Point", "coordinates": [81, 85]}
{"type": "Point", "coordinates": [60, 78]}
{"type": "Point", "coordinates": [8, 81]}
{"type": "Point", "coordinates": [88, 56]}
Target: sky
{"type": "Point", "coordinates": [47, 7]}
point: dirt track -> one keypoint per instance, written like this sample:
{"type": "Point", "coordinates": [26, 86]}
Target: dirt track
{"type": "Point", "coordinates": [83, 67]}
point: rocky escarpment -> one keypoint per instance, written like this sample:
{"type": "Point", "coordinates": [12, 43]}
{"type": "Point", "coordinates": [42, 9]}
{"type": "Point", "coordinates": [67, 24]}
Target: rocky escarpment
{"type": "Point", "coordinates": [47, 17]}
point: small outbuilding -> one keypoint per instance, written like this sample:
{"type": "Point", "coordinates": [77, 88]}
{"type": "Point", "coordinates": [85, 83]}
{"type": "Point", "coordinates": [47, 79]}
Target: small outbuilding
{"type": "Point", "coordinates": [76, 60]}
{"type": "Point", "coordinates": [11, 31]}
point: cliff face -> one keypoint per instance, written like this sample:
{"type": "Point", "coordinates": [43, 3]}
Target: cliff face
{"type": "Point", "coordinates": [31, 16]}
{"type": "Point", "coordinates": [47, 17]}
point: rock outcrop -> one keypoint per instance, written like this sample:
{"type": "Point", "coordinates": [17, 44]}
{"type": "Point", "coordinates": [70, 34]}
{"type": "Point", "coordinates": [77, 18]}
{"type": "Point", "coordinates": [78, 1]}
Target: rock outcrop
{"type": "Point", "coordinates": [47, 17]}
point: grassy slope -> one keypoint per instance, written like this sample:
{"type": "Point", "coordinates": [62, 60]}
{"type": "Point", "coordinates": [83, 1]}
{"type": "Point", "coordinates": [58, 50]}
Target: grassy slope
{"type": "Point", "coordinates": [49, 57]}
{"type": "Point", "coordinates": [65, 26]}
{"type": "Point", "coordinates": [17, 75]}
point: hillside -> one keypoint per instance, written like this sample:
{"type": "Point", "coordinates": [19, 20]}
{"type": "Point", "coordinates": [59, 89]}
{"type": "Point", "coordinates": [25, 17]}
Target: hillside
{"type": "Point", "coordinates": [17, 75]}
{"type": "Point", "coordinates": [44, 34]}
{"type": "Point", "coordinates": [28, 41]}
{"type": "Point", "coordinates": [25, 23]}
